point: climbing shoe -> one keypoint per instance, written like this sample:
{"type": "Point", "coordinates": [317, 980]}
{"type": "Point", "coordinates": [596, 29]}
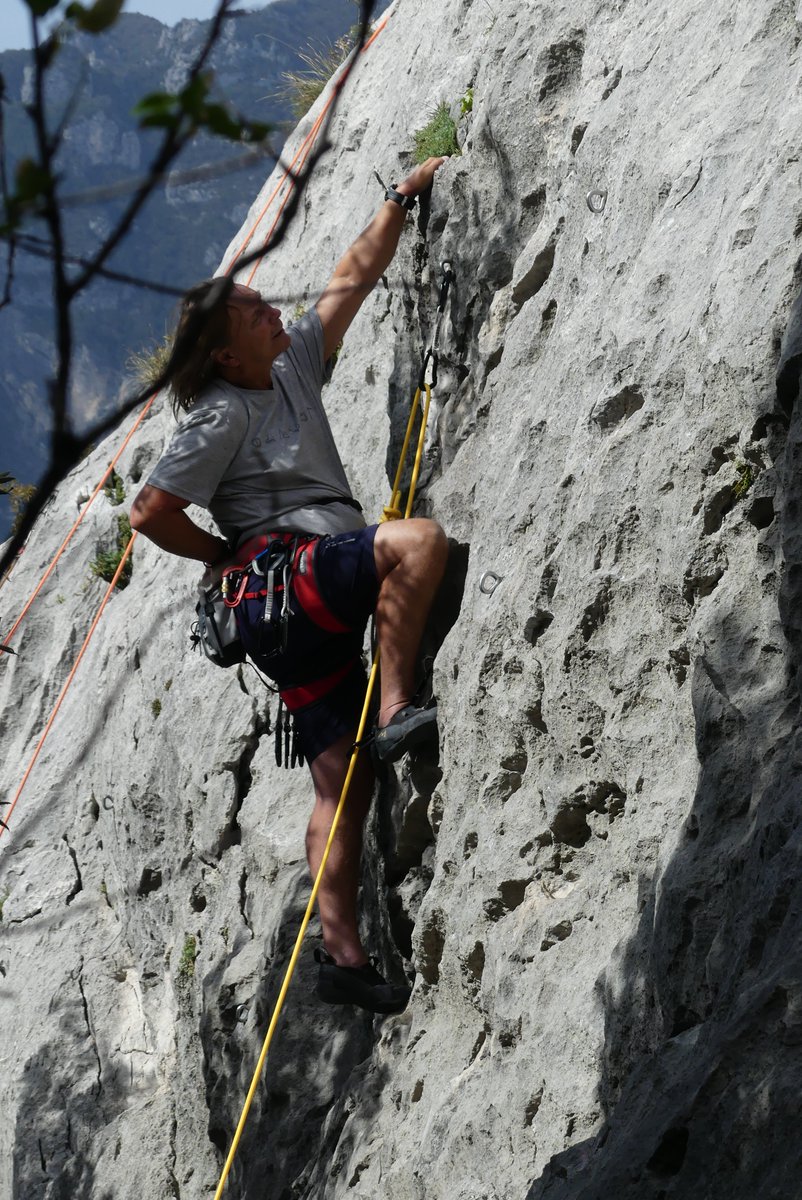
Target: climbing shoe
{"type": "Point", "coordinates": [362, 986]}
{"type": "Point", "coordinates": [409, 727]}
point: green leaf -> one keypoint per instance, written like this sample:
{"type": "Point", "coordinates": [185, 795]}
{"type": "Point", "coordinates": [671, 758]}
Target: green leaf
{"type": "Point", "coordinates": [217, 119]}
{"type": "Point", "coordinates": [100, 16]}
{"type": "Point", "coordinates": [32, 181]}
{"type": "Point", "coordinates": [193, 97]}
{"type": "Point", "coordinates": [154, 104]}
{"type": "Point", "coordinates": [159, 110]}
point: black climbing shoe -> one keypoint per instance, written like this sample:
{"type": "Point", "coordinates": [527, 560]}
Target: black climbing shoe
{"type": "Point", "coordinates": [363, 986]}
{"type": "Point", "coordinates": [409, 727]}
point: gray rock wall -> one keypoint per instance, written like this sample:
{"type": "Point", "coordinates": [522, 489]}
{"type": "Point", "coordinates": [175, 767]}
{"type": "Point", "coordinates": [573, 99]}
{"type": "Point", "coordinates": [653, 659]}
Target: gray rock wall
{"type": "Point", "coordinates": [596, 887]}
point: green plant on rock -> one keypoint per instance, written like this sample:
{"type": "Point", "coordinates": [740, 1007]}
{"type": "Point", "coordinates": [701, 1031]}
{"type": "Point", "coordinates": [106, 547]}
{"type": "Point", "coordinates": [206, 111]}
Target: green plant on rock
{"type": "Point", "coordinates": [156, 707]}
{"type": "Point", "coordinates": [114, 489]}
{"type": "Point", "coordinates": [148, 365]}
{"type": "Point", "coordinates": [19, 495]}
{"type": "Point", "coordinates": [106, 562]}
{"type": "Point", "coordinates": [186, 967]}
{"type": "Point", "coordinates": [300, 89]}
{"type": "Point", "coordinates": [746, 477]}
{"type": "Point", "coordinates": [466, 103]}
{"type": "Point", "coordinates": [438, 136]}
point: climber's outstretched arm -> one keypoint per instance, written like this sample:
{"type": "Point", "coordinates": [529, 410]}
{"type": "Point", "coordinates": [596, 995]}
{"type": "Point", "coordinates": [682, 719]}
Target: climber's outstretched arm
{"type": "Point", "coordinates": [363, 265]}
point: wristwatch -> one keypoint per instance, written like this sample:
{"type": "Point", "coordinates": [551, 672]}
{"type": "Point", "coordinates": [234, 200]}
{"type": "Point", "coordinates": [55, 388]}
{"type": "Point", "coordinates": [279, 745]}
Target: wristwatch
{"type": "Point", "coordinates": [390, 193]}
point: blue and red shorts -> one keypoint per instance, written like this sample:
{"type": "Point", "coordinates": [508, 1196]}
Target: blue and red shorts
{"type": "Point", "coordinates": [320, 674]}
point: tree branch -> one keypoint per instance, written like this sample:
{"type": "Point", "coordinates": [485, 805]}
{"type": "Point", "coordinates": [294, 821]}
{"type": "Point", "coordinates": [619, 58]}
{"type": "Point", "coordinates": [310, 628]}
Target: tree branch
{"type": "Point", "coordinates": [171, 147]}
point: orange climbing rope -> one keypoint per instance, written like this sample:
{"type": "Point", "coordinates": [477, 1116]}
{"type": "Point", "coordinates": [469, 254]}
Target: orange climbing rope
{"type": "Point", "coordinates": [54, 562]}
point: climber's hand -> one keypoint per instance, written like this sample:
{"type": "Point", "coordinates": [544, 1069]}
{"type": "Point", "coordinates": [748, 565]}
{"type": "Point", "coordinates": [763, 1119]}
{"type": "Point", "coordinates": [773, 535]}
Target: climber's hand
{"type": "Point", "coordinates": [421, 178]}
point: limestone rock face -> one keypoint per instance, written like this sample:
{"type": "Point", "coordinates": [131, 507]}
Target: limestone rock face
{"type": "Point", "coordinates": [596, 886]}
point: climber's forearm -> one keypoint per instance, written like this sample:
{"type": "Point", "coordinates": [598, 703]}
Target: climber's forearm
{"type": "Point", "coordinates": [364, 263]}
{"type": "Point", "coordinates": [170, 528]}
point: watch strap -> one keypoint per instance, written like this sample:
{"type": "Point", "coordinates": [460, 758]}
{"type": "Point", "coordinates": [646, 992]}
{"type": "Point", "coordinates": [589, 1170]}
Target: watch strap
{"type": "Point", "coordinates": [406, 202]}
{"type": "Point", "coordinates": [390, 193]}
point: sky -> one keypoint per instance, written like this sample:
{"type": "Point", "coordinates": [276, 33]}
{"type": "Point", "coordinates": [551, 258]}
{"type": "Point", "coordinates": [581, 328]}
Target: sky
{"type": "Point", "coordinates": [15, 21]}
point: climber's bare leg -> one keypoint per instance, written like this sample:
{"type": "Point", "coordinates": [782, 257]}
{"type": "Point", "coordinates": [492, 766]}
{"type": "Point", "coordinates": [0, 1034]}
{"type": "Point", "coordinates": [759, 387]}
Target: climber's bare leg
{"type": "Point", "coordinates": [338, 889]}
{"type": "Point", "coordinates": [410, 560]}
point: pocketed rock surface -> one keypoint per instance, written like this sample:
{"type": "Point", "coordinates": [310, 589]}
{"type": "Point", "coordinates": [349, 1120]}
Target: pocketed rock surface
{"type": "Point", "coordinates": [596, 886]}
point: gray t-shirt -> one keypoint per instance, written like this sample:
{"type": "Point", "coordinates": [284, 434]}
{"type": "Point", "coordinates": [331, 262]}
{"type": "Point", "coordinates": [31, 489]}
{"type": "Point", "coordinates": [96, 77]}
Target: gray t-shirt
{"type": "Point", "coordinates": [262, 460]}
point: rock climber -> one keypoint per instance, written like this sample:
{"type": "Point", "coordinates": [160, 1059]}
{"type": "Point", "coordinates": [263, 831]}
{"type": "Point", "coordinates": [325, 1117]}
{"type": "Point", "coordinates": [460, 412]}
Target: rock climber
{"type": "Point", "coordinates": [256, 450]}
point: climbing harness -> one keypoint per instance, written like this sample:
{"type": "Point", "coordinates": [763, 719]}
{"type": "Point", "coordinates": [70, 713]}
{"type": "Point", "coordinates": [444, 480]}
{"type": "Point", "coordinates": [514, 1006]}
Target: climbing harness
{"type": "Point", "coordinates": [286, 563]}
{"type": "Point", "coordinates": [391, 512]}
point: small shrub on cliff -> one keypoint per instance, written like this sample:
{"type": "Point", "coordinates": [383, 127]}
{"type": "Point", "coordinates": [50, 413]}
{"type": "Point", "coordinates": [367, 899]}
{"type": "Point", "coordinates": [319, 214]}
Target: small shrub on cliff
{"type": "Point", "coordinates": [114, 489]}
{"type": "Point", "coordinates": [300, 89]}
{"type": "Point", "coordinates": [19, 495]}
{"type": "Point", "coordinates": [149, 364]}
{"type": "Point", "coordinates": [745, 479]}
{"type": "Point", "coordinates": [106, 562]}
{"type": "Point", "coordinates": [438, 136]}
{"type": "Point", "coordinates": [186, 967]}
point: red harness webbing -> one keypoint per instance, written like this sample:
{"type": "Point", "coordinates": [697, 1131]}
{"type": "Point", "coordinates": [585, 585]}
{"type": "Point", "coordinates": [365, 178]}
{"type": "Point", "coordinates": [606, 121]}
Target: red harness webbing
{"type": "Point", "coordinates": [306, 693]}
{"type": "Point", "coordinates": [305, 587]}
{"type": "Point", "coordinates": [304, 577]}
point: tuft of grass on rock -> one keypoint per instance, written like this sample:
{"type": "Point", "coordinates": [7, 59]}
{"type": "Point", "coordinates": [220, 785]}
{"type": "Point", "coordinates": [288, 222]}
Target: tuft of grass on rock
{"type": "Point", "coordinates": [300, 89]}
{"type": "Point", "coordinates": [114, 489]}
{"type": "Point", "coordinates": [186, 967]}
{"type": "Point", "coordinates": [19, 495]}
{"type": "Point", "coordinates": [106, 562]}
{"type": "Point", "coordinates": [746, 478]}
{"type": "Point", "coordinates": [438, 136]}
{"type": "Point", "coordinates": [148, 365]}
{"type": "Point", "coordinates": [156, 707]}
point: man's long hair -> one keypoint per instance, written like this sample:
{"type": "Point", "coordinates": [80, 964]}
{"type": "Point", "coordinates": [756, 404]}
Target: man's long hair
{"type": "Point", "coordinates": [197, 336]}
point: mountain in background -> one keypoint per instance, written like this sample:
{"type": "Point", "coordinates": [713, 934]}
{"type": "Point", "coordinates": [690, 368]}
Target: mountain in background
{"type": "Point", "coordinates": [182, 232]}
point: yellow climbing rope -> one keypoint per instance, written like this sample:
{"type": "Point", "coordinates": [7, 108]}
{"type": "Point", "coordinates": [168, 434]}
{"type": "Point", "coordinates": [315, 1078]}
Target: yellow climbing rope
{"type": "Point", "coordinates": [391, 512]}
